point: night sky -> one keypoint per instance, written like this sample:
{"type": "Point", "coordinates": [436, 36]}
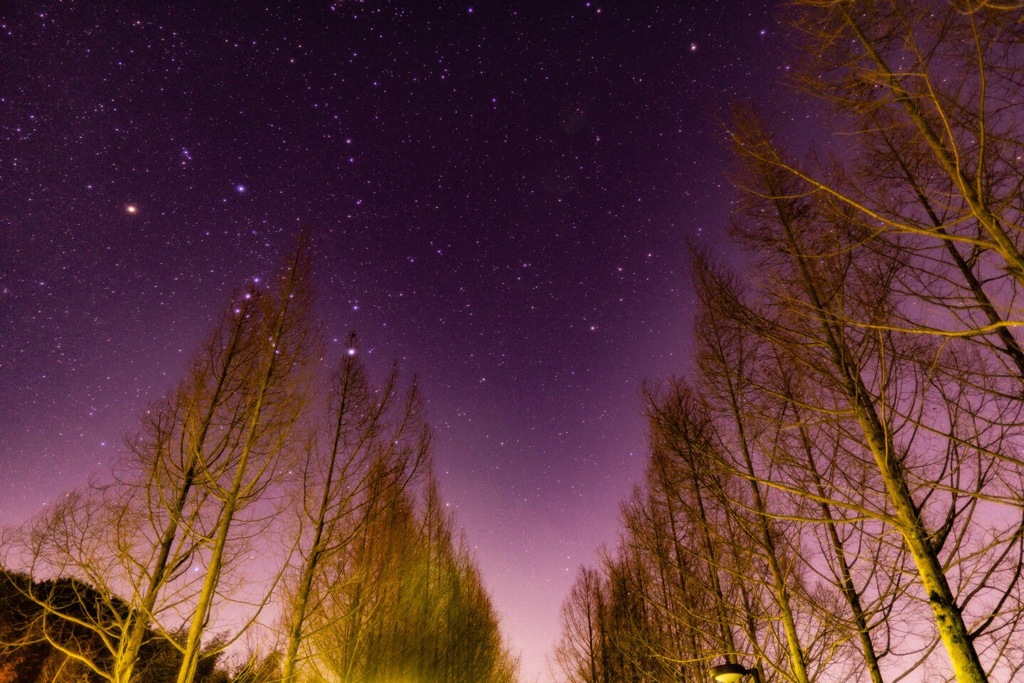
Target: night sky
{"type": "Point", "coordinates": [500, 197]}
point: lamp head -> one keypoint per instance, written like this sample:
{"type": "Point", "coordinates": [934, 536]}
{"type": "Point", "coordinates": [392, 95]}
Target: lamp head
{"type": "Point", "coordinates": [728, 672]}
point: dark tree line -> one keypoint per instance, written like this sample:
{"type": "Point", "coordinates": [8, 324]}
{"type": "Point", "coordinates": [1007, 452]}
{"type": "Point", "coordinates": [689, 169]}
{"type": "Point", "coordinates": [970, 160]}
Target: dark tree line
{"type": "Point", "coordinates": [34, 642]}
{"type": "Point", "coordinates": [836, 492]}
{"type": "Point", "coordinates": [264, 502]}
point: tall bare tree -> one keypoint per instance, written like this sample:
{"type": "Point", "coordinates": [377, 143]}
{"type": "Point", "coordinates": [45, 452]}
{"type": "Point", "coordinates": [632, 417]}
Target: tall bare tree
{"type": "Point", "coordinates": [370, 433]}
{"type": "Point", "coordinates": [927, 462]}
{"type": "Point", "coordinates": [578, 655]}
{"type": "Point", "coordinates": [254, 430]}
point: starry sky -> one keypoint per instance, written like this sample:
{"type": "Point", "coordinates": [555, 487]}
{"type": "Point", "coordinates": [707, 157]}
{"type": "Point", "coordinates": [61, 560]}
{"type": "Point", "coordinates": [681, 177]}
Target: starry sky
{"type": "Point", "coordinates": [500, 196]}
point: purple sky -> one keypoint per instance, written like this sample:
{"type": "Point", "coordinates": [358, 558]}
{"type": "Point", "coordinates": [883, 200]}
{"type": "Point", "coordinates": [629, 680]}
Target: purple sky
{"type": "Point", "coordinates": [500, 195]}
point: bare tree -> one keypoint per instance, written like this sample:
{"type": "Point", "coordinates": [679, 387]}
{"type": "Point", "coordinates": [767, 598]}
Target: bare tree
{"type": "Point", "coordinates": [404, 599]}
{"type": "Point", "coordinates": [889, 385]}
{"type": "Point", "coordinates": [684, 475]}
{"type": "Point", "coordinates": [253, 431]}
{"type": "Point", "coordinates": [370, 434]}
{"type": "Point", "coordinates": [136, 542]}
{"type": "Point", "coordinates": [578, 654]}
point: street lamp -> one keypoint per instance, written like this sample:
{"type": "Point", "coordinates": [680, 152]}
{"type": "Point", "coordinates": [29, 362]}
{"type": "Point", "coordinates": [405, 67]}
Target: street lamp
{"type": "Point", "coordinates": [732, 673]}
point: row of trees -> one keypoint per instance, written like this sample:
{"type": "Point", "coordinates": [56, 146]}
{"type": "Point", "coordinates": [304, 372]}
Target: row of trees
{"type": "Point", "coordinates": [837, 491]}
{"type": "Point", "coordinates": [265, 500]}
